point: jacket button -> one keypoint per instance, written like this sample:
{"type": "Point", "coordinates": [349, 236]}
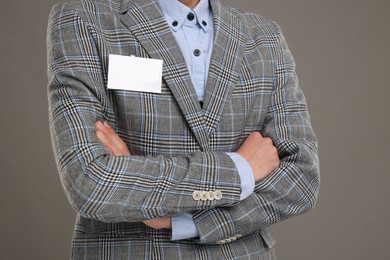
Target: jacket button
{"type": "Point", "coordinates": [218, 195]}
{"type": "Point", "coordinates": [196, 195]}
{"type": "Point", "coordinates": [203, 195]}
{"type": "Point", "coordinates": [210, 195]}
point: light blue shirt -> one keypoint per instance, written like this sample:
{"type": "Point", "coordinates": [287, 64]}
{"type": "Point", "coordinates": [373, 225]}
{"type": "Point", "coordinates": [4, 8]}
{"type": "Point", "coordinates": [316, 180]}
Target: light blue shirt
{"type": "Point", "coordinates": [194, 33]}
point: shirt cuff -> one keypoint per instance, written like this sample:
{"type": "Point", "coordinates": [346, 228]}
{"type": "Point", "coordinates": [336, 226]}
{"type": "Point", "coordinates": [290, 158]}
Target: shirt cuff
{"type": "Point", "coordinates": [183, 227]}
{"type": "Point", "coordinates": [246, 175]}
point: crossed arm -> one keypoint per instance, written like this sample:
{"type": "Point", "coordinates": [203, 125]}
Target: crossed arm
{"type": "Point", "coordinates": [260, 153]}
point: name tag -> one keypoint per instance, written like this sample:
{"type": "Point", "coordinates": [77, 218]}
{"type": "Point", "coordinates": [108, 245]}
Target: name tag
{"type": "Point", "coordinates": [134, 74]}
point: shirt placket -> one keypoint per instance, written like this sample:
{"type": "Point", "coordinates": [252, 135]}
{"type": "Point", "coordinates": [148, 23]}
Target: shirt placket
{"type": "Point", "coordinates": [197, 51]}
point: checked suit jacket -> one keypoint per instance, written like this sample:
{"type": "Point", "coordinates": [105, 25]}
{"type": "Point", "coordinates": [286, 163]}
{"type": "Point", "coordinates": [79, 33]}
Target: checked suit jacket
{"type": "Point", "coordinates": [178, 147]}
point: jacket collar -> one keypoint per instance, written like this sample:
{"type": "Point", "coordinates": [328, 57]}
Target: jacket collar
{"type": "Point", "coordinates": [146, 21]}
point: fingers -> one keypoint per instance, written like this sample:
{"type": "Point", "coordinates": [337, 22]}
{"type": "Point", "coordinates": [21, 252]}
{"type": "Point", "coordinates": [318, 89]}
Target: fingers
{"type": "Point", "coordinates": [159, 223]}
{"type": "Point", "coordinates": [256, 139]}
{"type": "Point", "coordinates": [111, 140]}
{"type": "Point", "coordinates": [261, 155]}
{"type": "Point", "coordinates": [251, 145]}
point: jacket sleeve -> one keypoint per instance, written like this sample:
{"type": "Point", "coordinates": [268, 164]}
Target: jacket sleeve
{"type": "Point", "coordinates": [99, 186]}
{"type": "Point", "coordinates": [292, 188]}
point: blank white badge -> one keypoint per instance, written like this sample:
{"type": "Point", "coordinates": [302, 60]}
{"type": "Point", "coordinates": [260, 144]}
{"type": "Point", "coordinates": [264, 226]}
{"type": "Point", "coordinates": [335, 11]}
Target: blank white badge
{"type": "Point", "coordinates": [135, 74]}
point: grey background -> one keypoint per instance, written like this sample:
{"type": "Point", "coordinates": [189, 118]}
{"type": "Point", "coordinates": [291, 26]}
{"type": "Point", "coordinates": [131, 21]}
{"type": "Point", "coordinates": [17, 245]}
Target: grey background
{"type": "Point", "coordinates": [341, 48]}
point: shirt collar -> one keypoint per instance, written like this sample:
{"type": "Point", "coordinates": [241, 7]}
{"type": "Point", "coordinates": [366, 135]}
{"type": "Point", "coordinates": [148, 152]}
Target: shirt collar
{"type": "Point", "coordinates": [176, 13]}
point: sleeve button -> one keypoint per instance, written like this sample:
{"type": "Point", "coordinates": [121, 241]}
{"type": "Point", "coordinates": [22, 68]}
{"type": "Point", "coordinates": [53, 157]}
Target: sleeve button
{"type": "Point", "coordinates": [203, 195]}
{"type": "Point", "coordinates": [196, 195]}
{"type": "Point", "coordinates": [218, 195]}
{"type": "Point", "coordinates": [210, 195]}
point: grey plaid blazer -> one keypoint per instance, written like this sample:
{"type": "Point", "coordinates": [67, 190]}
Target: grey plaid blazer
{"type": "Point", "coordinates": [178, 146]}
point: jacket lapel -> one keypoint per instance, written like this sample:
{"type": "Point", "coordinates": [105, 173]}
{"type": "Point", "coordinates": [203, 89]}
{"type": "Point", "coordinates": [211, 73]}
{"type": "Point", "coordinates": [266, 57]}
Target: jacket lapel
{"type": "Point", "coordinates": [226, 60]}
{"type": "Point", "coordinates": [146, 21]}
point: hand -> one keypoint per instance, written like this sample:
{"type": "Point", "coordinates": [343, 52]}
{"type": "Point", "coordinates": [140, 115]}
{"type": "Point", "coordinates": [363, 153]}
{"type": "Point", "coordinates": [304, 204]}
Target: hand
{"type": "Point", "coordinates": [261, 155]}
{"type": "Point", "coordinates": [159, 223]}
{"type": "Point", "coordinates": [111, 140]}
{"type": "Point", "coordinates": [117, 147]}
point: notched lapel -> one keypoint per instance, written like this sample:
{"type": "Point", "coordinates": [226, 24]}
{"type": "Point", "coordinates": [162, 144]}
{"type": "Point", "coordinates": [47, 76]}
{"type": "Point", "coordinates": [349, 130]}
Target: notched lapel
{"type": "Point", "coordinates": [226, 60]}
{"type": "Point", "coordinates": [146, 22]}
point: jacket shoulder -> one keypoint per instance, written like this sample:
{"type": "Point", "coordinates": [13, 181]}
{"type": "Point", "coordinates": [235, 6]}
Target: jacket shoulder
{"type": "Point", "coordinates": [256, 24]}
{"type": "Point", "coordinates": [86, 9]}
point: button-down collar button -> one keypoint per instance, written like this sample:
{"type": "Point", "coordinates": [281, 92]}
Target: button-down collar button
{"type": "Point", "coordinates": [203, 195]}
{"type": "Point", "coordinates": [196, 195]}
{"type": "Point", "coordinates": [190, 16]}
{"type": "Point", "coordinates": [210, 195]}
{"type": "Point", "coordinates": [175, 23]}
{"type": "Point", "coordinates": [204, 23]}
{"type": "Point", "coordinates": [197, 52]}
{"type": "Point", "coordinates": [218, 195]}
